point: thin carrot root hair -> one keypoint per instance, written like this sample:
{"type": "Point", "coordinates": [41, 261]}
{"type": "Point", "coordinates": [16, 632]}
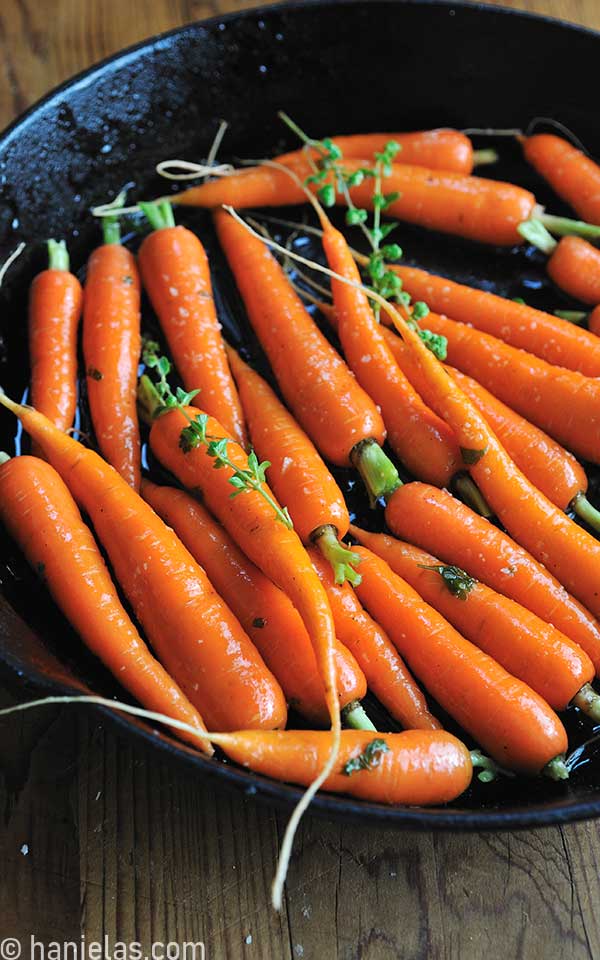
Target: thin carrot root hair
{"type": "Point", "coordinates": [217, 738]}
{"type": "Point", "coordinates": [10, 260]}
{"type": "Point", "coordinates": [557, 125]}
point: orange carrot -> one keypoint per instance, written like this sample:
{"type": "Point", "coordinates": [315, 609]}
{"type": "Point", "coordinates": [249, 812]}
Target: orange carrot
{"type": "Point", "coordinates": [318, 387]}
{"type": "Point", "coordinates": [420, 438]}
{"type": "Point", "coordinates": [550, 467]}
{"type": "Point", "coordinates": [440, 524]}
{"type": "Point", "coordinates": [111, 350]}
{"type": "Point", "coordinates": [268, 617]}
{"type": "Point", "coordinates": [417, 767]}
{"type": "Point", "coordinates": [563, 403]}
{"type": "Point", "coordinates": [514, 724]}
{"type": "Point", "coordinates": [40, 514]}
{"type": "Point", "coordinates": [526, 646]}
{"type": "Point", "coordinates": [176, 276]}
{"type": "Point", "coordinates": [575, 268]}
{"type": "Point", "coordinates": [297, 474]}
{"type": "Point", "coordinates": [55, 301]}
{"type": "Point", "coordinates": [385, 671]}
{"type": "Point", "coordinates": [441, 149]}
{"type": "Point", "coordinates": [485, 210]}
{"type": "Point", "coordinates": [193, 632]}
{"type": "Point", "coordinates": [574, 176]}
{"type": "Point", "coordinates": [594, 321]}
{"type": "Point", "coordinates": [564, 548]}
{"type": "Point", "coordinates": [542, 334]}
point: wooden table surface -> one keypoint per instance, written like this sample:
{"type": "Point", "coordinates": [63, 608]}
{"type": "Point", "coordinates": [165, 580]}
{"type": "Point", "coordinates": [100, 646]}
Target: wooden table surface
{"type": "Point", "coordinates": [100, 839]}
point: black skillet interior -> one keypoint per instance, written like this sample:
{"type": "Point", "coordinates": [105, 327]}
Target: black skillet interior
{"type": "Point", "coordinates": [336, 67]}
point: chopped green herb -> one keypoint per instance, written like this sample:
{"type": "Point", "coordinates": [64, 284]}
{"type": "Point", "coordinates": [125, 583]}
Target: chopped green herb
{"type": "Point", "coordinates": [458, 581]}
{"type": "Point", "coordinates": [369, 758]}
{"type": "Point", "coordinates": [259, 623]}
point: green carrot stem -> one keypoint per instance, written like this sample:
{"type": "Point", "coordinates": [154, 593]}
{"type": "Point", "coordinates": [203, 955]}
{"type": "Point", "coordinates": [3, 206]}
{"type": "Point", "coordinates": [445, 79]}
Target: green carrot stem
{"type": "Point", "coordinates": [573, 316]}
{"type": "Point", "coordinates": [342, 558]}
{"type": "Point", "coordinates": [565, 227]}
{"type": "Point", "coordinates": [355, 716]}
{"type": "Point", "coordinates": [556, 769]}
{"type": "Point", "coordinates": [468, 491]}
{"type": "Point", "coordinates": [295, 128]}
{"type": "Point", "coordinates": [489, 769]}
{"type": "Point", "coordinates": [584, 509]}
{"type": "Point", "coordinates": [536, 233]}
{"type": "Point", "coordinates": [4, 457]}
{"type": "Point", "coordinates": [483, 158]}
{"type": "Point", "coordinates": [588, 702]}
{"type": "Point", "coordinates": [377, 471]}
{"type": "Point", "coordinates": [159, 213]}
{"type": "Point", "coordinates": [58, 255]}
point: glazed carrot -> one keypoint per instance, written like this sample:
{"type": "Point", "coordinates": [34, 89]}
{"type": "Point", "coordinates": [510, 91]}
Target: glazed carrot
{"type": "Point", "coordinates": [55, 301]}
{"type": "Point", "coordinates": [552, 538]}
{"type": "Point", "coordinates": [316, 384]}
{"type": "Point", "coordinates": [111, 350]}
{"type": "Point", "coordinates": [193, 632]}
{"type": "Point", "coordinates": [417, 767]}
{"type": "Point", "coordinates": [268, 617]}
{"type": "Point", "coordinates": [386, 673]}
{"type": "Point", "coordinates": [575, 268]}
{"type": "Point", "coordinates": [440, 524]}
{"type": "Point", "coordinates": [40, 514]}
{"type": "Point", "coordinates": [514, 724]}
{"type": "Point", "coordinates": [526, 646]}
{"type": "Point", "coordinates": [176, 276]}
{"type": "Point", "coordinates": [485, 210]}
{"type": "Point", "coordinates": [421, 439]}
{"type": "Point", "coordinates": [563, 403]}
{"type": "Point", "coordinates": [550, 467]}
{"type": "Point", "coordinates": [542, 334]}
{"type": "Point", "coordinates": [297, 474]}
{"type": "Point", "coordinates": [574, 176]}
{"type": "Point", "coordinates": [441, 149]}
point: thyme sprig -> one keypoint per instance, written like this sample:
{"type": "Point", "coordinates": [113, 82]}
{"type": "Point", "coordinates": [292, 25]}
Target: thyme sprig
{"type": "Point", "coordinates": [243, 479]}
{"type": "Point", "coordinates": [332, 178]}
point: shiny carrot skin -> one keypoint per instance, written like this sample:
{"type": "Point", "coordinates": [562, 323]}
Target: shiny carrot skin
{"type": "Point", "coordinates": [575, 268]}
{"type": "Point", "coordinates": [55, 301]}
{"type": "Point", "coordinates": [40, 514]}
{"type": "Point", "coordinates": [254, 526]}
{"type": "Point", "coordinates": [420, 438]}
{"type": "Point", "coordinates": [386, 673]}
{"type": "Point", "coordinates": [514, 724]}
{"type": "Point", "coordinates": [111, 350]}
{"type": "Point", "coordinates": [194, 633]}
{"type": "Point", "coordinates": [554, 340]}
{"type": "Point", "coordinates": [437, 522]}
{"type": "Point", "coordinates": [563, 403]}
{"type": "Point", "coordinates": [441, 149]}
{"type": "Point", "coordinates": [484, 210]}
{"type": "Point", "coordinates": [572, 175]}
{"type": "Point", "coordinates": [267, 615]}
{"type": "Point", "coordinates": [176, 275]}
{"type": "Point", "coordinates": [297, 474]}
{"type": "Point", "coordinates": [549, 466]}
{"type": "Point", "coordinates": [318, 387]}
{"type": "Point", "coordinates": [526, 646]}
{"type": "Point", "coordinates": [420, 767]}
{"type": "Point", "coordinates": [567, 550]}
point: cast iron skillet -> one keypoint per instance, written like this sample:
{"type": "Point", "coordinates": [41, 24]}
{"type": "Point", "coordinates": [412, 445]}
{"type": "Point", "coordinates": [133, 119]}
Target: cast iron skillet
{"type": "Point", "coordinates": [336, 67]}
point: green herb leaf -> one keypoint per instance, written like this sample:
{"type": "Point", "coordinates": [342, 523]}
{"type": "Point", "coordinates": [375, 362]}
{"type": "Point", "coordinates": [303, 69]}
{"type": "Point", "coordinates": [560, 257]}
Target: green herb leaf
{"type": "Point", "coordinates": [420, 310]}
{"type": "Point", "coordinates": [369, 758]}
{"type": "Point", "coordinates": [354, 216]}
{"type": "Point", "coordinates": [436, 342]}
{"type": "Point", "coordinates": [459, 582]}
{"type": "Point", "coordinates": [326, 195]}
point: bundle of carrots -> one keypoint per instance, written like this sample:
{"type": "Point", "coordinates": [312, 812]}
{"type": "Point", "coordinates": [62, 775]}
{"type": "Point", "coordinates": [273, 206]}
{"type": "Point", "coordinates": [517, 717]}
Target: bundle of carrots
{"type": "Point", "coordinates": [244, 598]}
